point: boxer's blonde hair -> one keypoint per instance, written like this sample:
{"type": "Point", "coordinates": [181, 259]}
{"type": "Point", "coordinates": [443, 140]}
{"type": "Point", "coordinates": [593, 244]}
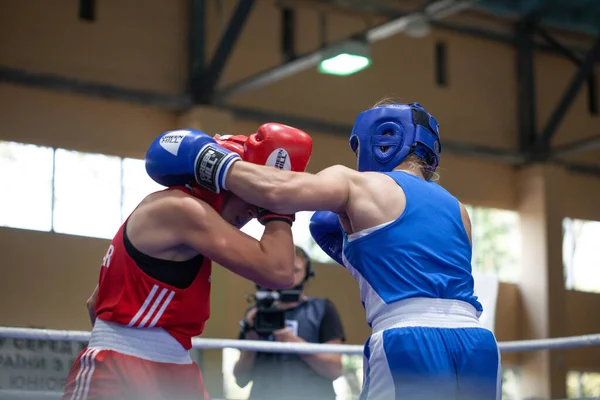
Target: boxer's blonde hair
{"type": "Point", "coordinates": [412, 162]}
{"type": "Point", "coordinates": [387, 101]}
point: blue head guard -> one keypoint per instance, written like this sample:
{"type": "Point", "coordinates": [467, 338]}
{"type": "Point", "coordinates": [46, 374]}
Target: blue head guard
{"type": "Point", "coordinates": [385, 135]}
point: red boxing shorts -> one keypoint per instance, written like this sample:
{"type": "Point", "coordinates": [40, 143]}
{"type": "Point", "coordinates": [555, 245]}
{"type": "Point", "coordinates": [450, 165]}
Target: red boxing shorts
{"type": "Point", "coordinates": [107, 374]}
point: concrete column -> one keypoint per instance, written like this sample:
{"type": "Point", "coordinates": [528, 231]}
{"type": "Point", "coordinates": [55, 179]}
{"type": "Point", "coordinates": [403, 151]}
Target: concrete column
{"type": "Point", "coordinates": [542, 284]}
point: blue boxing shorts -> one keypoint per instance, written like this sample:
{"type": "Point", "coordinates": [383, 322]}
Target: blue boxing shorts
{"type": "Point", "coordinates": [428, 362]}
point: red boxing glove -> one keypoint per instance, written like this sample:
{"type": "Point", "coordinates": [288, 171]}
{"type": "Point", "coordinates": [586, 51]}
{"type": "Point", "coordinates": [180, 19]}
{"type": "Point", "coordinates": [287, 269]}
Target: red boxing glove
{"type": "Point", "coordinates": [282, 147]}
{"type": "Point", "coordinates": [232, 142]}
{"type": "Point", "coordinates": [279, 146]}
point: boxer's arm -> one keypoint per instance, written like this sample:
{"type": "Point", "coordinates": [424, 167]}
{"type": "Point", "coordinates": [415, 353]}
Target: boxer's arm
{"type": "Point", "coordinates": [464, 214]}
{"type": "Point", "coordinates": [288, 192]}
{"type": "Point", "coordinates": [268, 262]}
{"type": "Point", "coordinates": [91, 305]}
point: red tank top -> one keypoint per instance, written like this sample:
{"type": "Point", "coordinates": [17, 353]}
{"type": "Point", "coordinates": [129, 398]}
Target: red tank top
{"type": "Point", "coordinates": [127, 296]}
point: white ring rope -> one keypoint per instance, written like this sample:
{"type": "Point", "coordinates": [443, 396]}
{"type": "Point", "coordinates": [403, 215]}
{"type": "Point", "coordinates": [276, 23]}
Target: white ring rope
{"type": "Point", "coordinates": [298, 348]}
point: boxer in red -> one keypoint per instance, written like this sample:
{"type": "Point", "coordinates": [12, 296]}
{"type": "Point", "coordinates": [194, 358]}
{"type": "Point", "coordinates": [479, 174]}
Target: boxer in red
{"type": "Point", "coordinates": [153, 294]}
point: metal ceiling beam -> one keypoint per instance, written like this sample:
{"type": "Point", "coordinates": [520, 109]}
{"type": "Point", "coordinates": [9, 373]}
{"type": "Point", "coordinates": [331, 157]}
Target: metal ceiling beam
{"type": "Point", "coordinates": [526, 86]}
{"type": "Point", "coordinates": [497, 36]}
{"type": "Point", "coordinates": [565, 51]}
{"type": "Point", "coordinates": [183, 102]}
{"type": "Point", "coordinates": [504, 156]}
{"type": "Point", "coordinates": [569, 95]}
{"type": "Point", "coordinates": [197, 49]}
{"type": "Point", "coordinates": [288, 34]}
{"type": "Point", "coordinates": [365, 7]}
{"type": "Point", "coordinates": [589, 143]}
{"type": "Point", "coordinates": [228, 40]}
{"type": "Point", "coordinates": [577, 60]}
{"type": "Point", "coordinates": [309, 60]}
{"type": "Point", "coordinates": [345, 7]}
{"type": "Point", "coordinates": [269, 76]}
{"type": "Point", "coordinates": [592, 94]}
{"type": "Point", "coordinates": [316, 125]}
{"type": "Point", "coordinates": [303, 62]}
{"type": "Point", "coordinates": [587, 169]}
{"type": "Point", "coordinates": [552, 14]}
{"type": "Point", "coordinates": [500, 37]}
{"type": "Point", "coordinates": [173, 102]}
{"type": "Point", "coordinates": [304, 123]}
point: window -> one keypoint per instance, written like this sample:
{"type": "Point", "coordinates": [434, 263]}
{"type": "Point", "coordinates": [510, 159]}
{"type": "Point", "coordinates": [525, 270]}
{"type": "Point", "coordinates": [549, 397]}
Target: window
{"type": "Point", "coordinates": [496, 239]}
{"type": "Point", "coordinates": [26, 179]}
{"type": "Point", "coordinates": [92, 194]}
{"type": "Point", "coordinates": [136, 185]}
{"type": "Point", "coordinates": [301, 233]}
{"type": "Point", "coordinates": [349, 385]}
{"type": "Point", "coordinates": [87, 194]}
{"type": "Point", "coordinates": [254, 229]}
{"type": "Point", "coordinates": [231, 390]}
{"type": "Point", "coordinates": [68, 191]}
{"type": "Point", "coordinates": [510, 384]}
{"type": "Point", "coordinates": [580, 255]}
{"type": "Point", "coordinates": [583, 385]}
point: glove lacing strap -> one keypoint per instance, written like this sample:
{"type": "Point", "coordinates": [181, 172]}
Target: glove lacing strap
{"type": "Point", "coordinates": [265, 216]}
{"type": "Point", "coordinates": [211, 166]}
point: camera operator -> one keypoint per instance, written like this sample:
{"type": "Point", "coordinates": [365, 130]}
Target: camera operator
{"type": "Point", "coordinates": [291, 317]}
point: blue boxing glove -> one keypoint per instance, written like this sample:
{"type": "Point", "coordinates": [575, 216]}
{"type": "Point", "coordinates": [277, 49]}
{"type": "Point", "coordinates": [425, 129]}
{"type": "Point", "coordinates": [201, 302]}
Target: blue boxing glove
{"type": "Point", "coordinates": [180, 157]}
{"type": "Point", "coordinates": [327, 232]}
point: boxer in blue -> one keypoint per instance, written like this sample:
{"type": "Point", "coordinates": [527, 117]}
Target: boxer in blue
{"type": "Point", "coordinates": [405, 239]}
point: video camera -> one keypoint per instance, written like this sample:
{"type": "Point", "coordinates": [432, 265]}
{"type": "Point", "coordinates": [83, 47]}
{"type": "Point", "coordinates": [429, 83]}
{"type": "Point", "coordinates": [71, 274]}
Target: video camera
{"type": "Point", "coordinates": [268, 317]}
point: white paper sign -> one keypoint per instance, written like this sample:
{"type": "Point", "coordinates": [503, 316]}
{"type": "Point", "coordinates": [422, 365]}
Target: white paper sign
{"type": "Point", "coordinates": [36, 364]}
{"type": "Point", "coordinates": [486, 289]}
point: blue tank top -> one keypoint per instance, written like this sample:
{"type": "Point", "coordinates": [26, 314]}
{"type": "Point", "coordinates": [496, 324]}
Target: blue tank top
{"type": "Point", "coordinates": [423, 253]}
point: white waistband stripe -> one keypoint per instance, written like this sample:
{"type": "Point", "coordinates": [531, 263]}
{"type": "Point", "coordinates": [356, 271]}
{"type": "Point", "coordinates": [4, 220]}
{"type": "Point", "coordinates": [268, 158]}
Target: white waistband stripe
{"type": "Point", "coordinates": [425, 312]}
{"type": "Point", "coordinates": [153, 344]}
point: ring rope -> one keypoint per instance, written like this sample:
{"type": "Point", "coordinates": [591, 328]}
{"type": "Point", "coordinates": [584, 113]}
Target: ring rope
{"type": "Point", "coordinates": [298, 348]}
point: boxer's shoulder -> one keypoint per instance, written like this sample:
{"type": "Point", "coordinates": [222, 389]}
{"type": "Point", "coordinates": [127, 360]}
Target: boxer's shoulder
{"type": "Point", "coordinates": [341, 172]}
{"type": "Point", "coordinates": [374, 199]}
{"type": "Point", "coordinates": [170, 197]}
{"type": "Point", "coordinates": [358, 178]}
{"type": "Point", "coordinates": [163, 220]}
{"type": "Point", "coordinates": [365, 185]}
{"type": "Point", "coordinates": [167, 209]}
